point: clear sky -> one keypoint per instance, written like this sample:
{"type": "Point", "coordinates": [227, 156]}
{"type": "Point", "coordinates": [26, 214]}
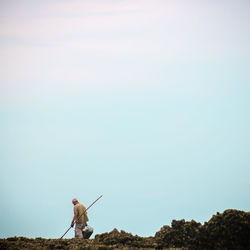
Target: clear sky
{"type": "Point", "coordinates": [146, 102]}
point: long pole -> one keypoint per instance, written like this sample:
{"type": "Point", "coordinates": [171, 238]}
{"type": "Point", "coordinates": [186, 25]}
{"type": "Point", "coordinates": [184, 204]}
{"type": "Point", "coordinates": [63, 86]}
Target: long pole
{"type": "Point", "coordinates": [84, 212]}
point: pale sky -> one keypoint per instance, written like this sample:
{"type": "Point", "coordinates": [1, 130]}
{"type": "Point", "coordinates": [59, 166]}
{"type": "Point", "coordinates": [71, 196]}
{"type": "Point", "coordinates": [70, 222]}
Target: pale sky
{"type": "Point", "coordinates": [144, 102]}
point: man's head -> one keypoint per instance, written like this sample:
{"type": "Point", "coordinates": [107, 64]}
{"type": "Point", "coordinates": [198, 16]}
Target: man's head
{"type": "Point", "coordinates": [74, 201]}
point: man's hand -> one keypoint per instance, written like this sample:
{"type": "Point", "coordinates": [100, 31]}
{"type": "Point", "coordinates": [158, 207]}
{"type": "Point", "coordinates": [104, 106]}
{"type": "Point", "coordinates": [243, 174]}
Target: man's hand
{"type": "Point", "coordinates": [72, 223]}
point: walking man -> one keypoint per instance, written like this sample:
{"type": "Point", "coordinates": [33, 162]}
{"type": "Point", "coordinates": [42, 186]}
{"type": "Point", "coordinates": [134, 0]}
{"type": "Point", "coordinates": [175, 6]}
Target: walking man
{"type": "Point", "coordinates": [80, 218]}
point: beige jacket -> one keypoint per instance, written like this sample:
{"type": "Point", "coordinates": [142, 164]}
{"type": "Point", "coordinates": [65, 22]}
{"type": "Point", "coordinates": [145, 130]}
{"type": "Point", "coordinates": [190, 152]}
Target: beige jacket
{"type": "Point", "coordinates": [81, 214]}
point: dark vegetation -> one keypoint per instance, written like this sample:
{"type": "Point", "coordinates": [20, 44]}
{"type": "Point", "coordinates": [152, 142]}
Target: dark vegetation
{"type": "Point", "coordinates": [229, 230]}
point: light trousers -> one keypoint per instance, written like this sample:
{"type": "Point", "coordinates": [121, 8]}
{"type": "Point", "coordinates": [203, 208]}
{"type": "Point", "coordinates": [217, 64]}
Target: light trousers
{"type": "Point", "coordinates": [78, 230]}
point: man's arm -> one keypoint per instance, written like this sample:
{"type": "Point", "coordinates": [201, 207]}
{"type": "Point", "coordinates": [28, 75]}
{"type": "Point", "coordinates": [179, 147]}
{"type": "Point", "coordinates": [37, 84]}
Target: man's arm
{"type": "Point", "coordinates": [73, 220]}
{"type": "Point", "coordinates": [74, 217]}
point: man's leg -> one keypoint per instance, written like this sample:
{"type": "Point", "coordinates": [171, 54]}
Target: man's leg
{"type": "Point", "coordinates": [78, 231]}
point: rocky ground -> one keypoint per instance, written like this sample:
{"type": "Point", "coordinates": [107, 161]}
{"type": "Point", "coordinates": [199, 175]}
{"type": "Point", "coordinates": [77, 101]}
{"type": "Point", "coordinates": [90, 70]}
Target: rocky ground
{"type": "Point", "coordinates": [229, 230]}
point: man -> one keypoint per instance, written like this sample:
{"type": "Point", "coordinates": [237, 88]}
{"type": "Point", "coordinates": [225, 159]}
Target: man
{"type": "Point", "coordinates": [80, 218]}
